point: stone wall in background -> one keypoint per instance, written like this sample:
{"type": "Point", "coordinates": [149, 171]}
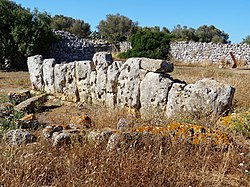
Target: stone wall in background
{"type": "Point", "coordinates": [193, 52]}
{"type": "Point", "coordinates": [70, 48]}
{"type": "Point", "coordinates": [139, 83]}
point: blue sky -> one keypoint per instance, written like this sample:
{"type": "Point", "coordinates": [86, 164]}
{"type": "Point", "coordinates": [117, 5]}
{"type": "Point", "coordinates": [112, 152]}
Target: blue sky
{"type": "Point", "coordinates": [231, 16]}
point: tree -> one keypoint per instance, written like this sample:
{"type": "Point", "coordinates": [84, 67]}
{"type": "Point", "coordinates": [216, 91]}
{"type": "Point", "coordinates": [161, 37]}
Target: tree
{"type": "Point", "coordinates": [22, 33]}
{"type": "Point", "coordinates": [211, 34]}
{"type": "Point", "coordinates": [75, 26]}
{"type": "Point", "coordinates": [184, 33]}
{"type": "Point", "coordinates": [246, 40]}
{"type": "Point", "coordinates": [148, 43]}
{"type": "Point", "coordinates": [116, 28]}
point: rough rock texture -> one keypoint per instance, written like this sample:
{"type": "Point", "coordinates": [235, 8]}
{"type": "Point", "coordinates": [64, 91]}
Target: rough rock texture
{"type": "Point", "coordinates": [193, 52]}
{"type": "Point", "coordinates": [159, 66]}
{"type": "Point", "coordinates": [206, 96]}
{"type": "Point", "coordinates": [30, 104]}
{"type": "Point", "coordinates": [18, 136]}
{"type": "Point", "coordinates": [70, 48]}
{"type": "Point", "coordinates": [154, 91]}
{"type": "Point", "coordinates": [48, 75]}
{"type": "Point", "coordinates": [138, 84]}
{"type": "Point", "coordinates": [19, 96]}
{"type": "Point", "coordinates": [36, 77]}
{"type": "Point", "coordinates": [128, 90]}
{"type": "Point", "coordinates": [28, 122]}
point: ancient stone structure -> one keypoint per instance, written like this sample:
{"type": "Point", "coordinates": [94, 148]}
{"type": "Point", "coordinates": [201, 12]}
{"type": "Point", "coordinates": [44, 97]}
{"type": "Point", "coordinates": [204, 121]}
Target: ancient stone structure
{"type": "Point", "coordinates": [69, 47]}
{"type": "Point", "coordinates": [193, 52]}
{"type": "Point", "coordinates": [139, 83]}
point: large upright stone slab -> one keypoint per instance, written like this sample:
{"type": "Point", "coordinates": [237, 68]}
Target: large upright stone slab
{"type": "Point", "coordinates": [113, 73]}
{"type": "Point", "coordinates": [83, 73]}
{"type": "Point", "coordinates": [129, 84]}
{"type": "Point", "coordinates": [102, 61]}
{"type": "Point", "coordinates": [48, 75]}
{"type": "Point", "coordinates": [60, 71]}
{"type": "Point", "coordinates": [206, 96]}
{"type": "Point", "coordinates": [35, 67]}
{"type": "Point", "coordinates": [154, 90]}
{"type": "Point", "coordinates": [70, 90]}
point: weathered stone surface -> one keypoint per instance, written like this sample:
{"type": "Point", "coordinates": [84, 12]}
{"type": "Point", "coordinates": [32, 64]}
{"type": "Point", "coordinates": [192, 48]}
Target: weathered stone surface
{"type": "Point", "coordinates": [30, 104]}
{"type": "Point", "coordinates": [60, 139]}
{"type": "Point", "coordinates": [83, 72]}
{"type": "Point", "coordinates": [128, 93]}
{"type": "Point", "coordinates": [206, 96]}
{"type": "Point", "coordinates": [123, 124]}
{"type": "Point", "coordinates": [102, 61]}
{"type": "Point", "coordinates": [19, 96]}
{"type": "Point", "coordinates": [28, 122]}
{"type": "Point", "coordinates": [18, 136]}
{"type": "Point", "coordinates": [60, 77]}
{"type": "Point", "coordinates": [154, 91]}
{"type": "Point", "coordinates": [113, 73]}
{"type": "Point", "coordinates": [159, 66]}
{"type": "Point", "coordinates": [48, 75]}
{"type": "Point", "coordinates": [80, 122]}
{"type": "Point", "coordinates": [35, 66]}
{"type": "Point", "coordinates": [213, 53]}
{"type": "Point", "coordinates": [70, 90]}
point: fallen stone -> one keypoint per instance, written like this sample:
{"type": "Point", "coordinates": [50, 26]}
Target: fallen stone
{"type": "Point", "coordinates": [28, 122]}
{"type": "Point", "coordinates": [18, 136]}
{"type": "Point", "coordinates": [80, 122]}
{"type": "Point", "coordinates": [19, 96]}
{"type": "Point", "coordinates": [31, 104]}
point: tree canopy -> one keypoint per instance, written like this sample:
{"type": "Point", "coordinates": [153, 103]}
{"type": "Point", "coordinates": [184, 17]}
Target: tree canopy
{"type": "Point", "coordinates": [246, 40]}
{"type": "Point", "coordinates": [116, 28]}
{"type": "Point", "coordinates": [22, 33]}
{"type": "Point", "coordinates": [202, 34]}
{"type": "Point", "coordinates": [75, 26]}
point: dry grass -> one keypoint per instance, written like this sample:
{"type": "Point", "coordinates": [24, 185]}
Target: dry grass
{"type": "Point", "coordinates": [174, 164]}
{"type": "Point", "coordinates": [179, 164]}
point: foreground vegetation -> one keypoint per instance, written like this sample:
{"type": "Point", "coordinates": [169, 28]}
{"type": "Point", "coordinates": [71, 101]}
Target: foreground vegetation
{"type": "Point", "coordinates": [178, 163]}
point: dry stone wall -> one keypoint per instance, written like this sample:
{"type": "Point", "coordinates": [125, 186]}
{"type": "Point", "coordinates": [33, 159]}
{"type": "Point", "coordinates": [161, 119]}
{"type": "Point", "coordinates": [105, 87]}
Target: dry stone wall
{"type": "Point", "coordinates": [139, 83]}
{"type": "Point", "coordinates": [193, 52]}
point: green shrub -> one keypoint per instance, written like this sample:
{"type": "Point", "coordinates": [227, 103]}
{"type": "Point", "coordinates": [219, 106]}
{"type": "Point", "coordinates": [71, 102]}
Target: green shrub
{"type": "Point", "coordinates": [150, 44]}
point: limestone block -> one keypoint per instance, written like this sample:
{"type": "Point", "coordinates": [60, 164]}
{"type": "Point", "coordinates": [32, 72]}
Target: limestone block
{"type": "Point", "coordinates": [35, 66]}
{"type": "Point", "coordinates": [48, 75]}
{"type": "Point", "coordinates": [83, 72]}
{"type": "Point", "coordinates": [70, 90]}
{"type": "Point", "coordinates": [207, 96]}
{"type": "Point", "coordinates": [128, 93]}
{"type": "Point", "coordinates": [154, 90]}
{"type": "Point", "coordinates": [153, 65]}
{"type": "Point", "coordinates": [60, 77]}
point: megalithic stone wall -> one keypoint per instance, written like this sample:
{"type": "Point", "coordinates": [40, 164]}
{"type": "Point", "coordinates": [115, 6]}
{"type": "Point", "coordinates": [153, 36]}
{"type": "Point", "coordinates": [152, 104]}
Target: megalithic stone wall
{"type": "Point", "coordinates": [140, 83]}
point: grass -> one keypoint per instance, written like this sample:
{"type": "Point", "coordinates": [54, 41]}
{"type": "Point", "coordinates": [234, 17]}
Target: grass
{"type": "Point", "coordinates": [176, 163]}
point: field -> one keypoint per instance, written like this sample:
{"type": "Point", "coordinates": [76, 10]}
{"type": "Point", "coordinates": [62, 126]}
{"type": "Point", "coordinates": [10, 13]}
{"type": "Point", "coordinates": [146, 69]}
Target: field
{"type": "Point", "coordinates": [178, 164]}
